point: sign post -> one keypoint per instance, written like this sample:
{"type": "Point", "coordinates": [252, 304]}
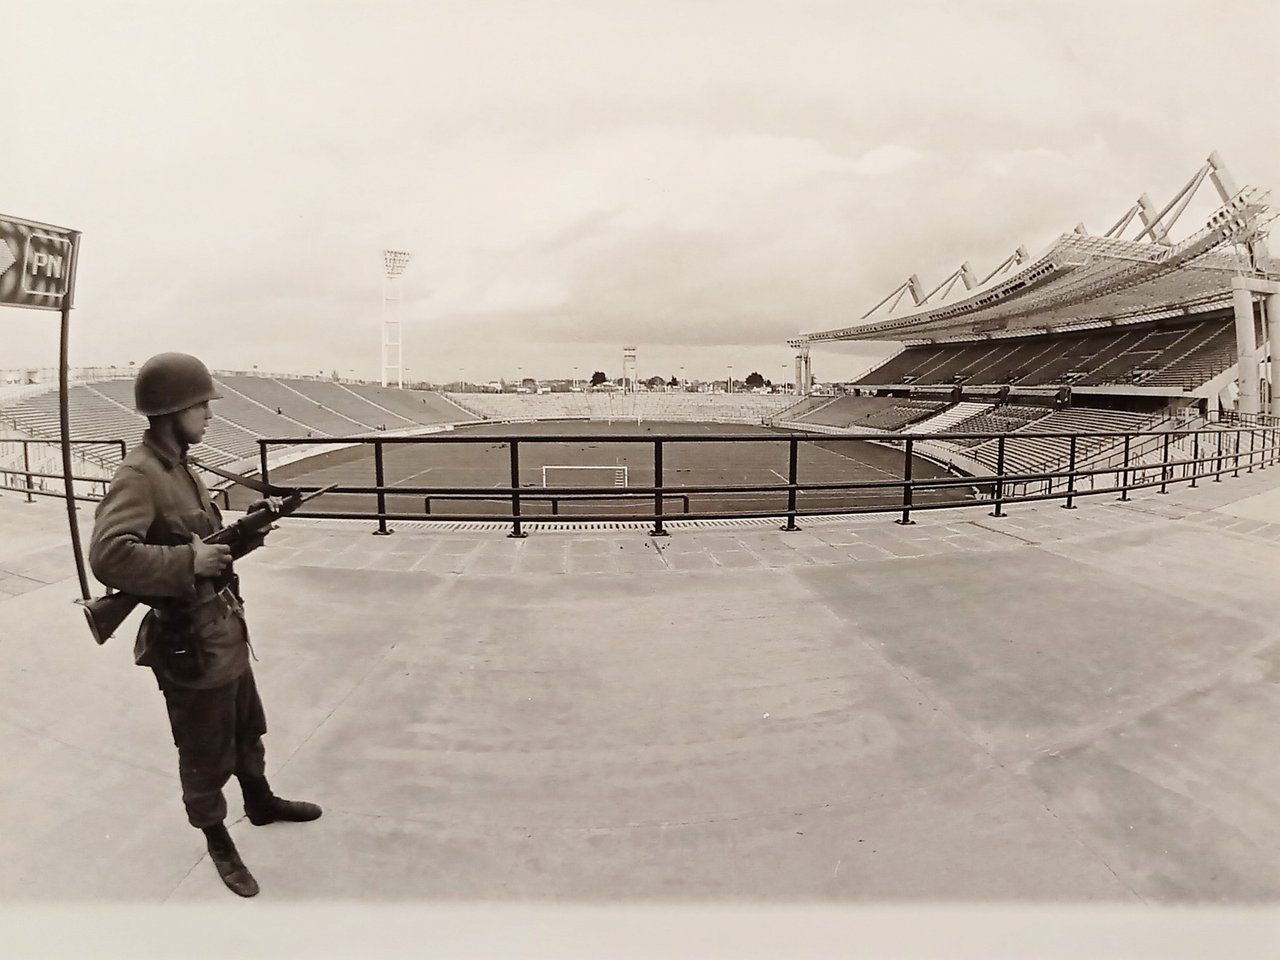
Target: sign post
{"type": "Point", "coordinates": [38, 271]}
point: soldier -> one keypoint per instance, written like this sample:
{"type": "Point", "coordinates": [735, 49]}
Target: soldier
{"type": "Point", "coordinates": [147, 541]}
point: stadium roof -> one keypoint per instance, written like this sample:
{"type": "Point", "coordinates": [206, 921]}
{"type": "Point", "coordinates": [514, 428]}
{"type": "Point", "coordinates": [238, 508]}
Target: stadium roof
{"type": "Point", "coordinates": [1084, 281]}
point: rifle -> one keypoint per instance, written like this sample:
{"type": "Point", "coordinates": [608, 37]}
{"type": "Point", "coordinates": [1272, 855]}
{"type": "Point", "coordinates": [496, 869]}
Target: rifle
{"type": "Point", "coordinates": [105, 614]}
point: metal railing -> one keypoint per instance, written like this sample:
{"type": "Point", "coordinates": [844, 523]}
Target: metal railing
{"type": "Point", "coordinates": [1234, 445]}
{"type": "Point", "coordinates": [29, 476]}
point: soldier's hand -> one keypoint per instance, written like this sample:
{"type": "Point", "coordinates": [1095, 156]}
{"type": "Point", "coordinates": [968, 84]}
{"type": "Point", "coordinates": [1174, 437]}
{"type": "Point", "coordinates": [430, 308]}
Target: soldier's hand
{"type": "Point", "coordinates": [211, 558]}
{"type": "Point", "coordinates": [274, 504]}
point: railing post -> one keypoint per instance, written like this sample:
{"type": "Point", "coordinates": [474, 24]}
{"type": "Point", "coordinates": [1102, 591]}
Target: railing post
{"type": "Point", "coordinates": [1252, 444]}
{"type": "Point", "coordinates": [907, 488]}
{"type": "Point", "coordinates": [999, 510]}
{"type": "Point", "coordinates": [1195, 458]}
{"type": "Point", "coordinates": [262, 461]}
{"type": "Point", "coordinates": [26, 465]}
{"type": "Point", "coordinates": [794, 459]}
{"type": "Point", "coordinates": [426, 506]}
{"type": "Point", "coordinates": [1071, 475]}
{"type": "Point", "coordinates": [657, 496]}
{"type": "Point", "coordinates": [1236, 473]}
{"type": "Point", "coordinates": [1124, 483]}
{"type": "Point", "coordinates": [516, 533]}
{"type": "Point", "coordinates": [1217, 468]}
{"type": "Point", "coordinates": [379, 478]}
{"type": "Point", "coordinates": [1164, 467]}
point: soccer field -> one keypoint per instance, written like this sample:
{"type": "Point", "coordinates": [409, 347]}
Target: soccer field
{"type": "Point", "coordinates": [696, 463]}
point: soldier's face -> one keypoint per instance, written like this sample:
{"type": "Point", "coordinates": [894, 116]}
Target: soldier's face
{"type": "Point", "coordinates": [190, 423]}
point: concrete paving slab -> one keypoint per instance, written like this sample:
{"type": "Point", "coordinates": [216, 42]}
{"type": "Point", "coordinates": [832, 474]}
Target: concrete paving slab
{"type": "Point", "coordinates": [604, 716]}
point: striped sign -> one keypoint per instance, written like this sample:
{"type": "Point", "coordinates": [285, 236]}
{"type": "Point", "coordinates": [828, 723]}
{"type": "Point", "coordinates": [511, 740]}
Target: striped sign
{"type": "Point", "coordinates": [37, 264]}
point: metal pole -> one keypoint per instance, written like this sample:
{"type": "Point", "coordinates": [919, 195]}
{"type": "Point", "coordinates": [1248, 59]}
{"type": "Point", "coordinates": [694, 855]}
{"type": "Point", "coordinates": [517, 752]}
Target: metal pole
{"type": "Point", "coordinates": [26, 465]}
{"type": "Point", "coordinates": [1195, 457]}
{"type": "Point", "coordinates": [379, 480]}
{"type": "Point", "coordinates": [262, 461]}
{"type": "Point", "coordinates": [1217, 467]}
{"type": "Point", "coordinates": [657, 496]}
{"type": "Point", "coordinates": [1237, 455]}
{"type": "Point", "coordinates": [64, 418]}
{"type": "Point", "coordinates": [515, 533]}
{"type": "Point", "coordinates": [1164, 467]}
{"type": "Point", "coordinates": [794, 459]}
{"type": "Point", "coordinates": [1071, 475]}
{"type": "Point", "coordinates": [1124, 484]}
{"type": "Point", "coordinates": [907, 488]}
{"type": "Point", "coordinates": [1251, 446]}
{"type": "Point", "coordinates": [999, 510]}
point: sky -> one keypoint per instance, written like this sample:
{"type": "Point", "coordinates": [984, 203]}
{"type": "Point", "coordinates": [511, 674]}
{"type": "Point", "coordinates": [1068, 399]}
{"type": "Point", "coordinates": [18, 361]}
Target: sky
{"type": "Point", "coordinates": [699, 179]}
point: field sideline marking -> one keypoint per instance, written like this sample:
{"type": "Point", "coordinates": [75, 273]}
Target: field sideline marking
{"type": "Point", "coordinates": [412, 476]}
{"type": "Point", "coordinates": [857, 461]}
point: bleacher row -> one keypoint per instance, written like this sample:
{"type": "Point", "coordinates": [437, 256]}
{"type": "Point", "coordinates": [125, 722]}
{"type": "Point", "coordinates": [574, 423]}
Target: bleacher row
{"type": "Point", "coordinates": [658, 406]}
{"type": "Point", "coordinates": [250, 408]}
{"type": "Point", "coordinates": [1182, 357]}
{"type": "Point", "coordinates": [1022, 454]}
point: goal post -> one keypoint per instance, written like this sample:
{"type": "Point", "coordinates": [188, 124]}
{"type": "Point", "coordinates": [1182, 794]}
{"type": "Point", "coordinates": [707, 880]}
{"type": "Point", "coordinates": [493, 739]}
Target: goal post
{"type": "Point", "coordinates": [577, 475]}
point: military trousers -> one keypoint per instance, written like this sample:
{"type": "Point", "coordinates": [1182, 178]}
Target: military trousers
{"type": "Point", "coordinates": [218, 733]}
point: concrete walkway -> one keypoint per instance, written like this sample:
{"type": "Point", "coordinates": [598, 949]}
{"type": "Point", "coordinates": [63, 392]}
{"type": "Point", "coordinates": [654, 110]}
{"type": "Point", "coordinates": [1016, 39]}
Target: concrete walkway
{"type": "Point", "coordinates": [1052, 707]}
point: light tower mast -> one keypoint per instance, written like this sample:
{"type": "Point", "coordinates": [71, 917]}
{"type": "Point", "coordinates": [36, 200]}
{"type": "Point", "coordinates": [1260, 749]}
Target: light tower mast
{"type": "Point", "coordinates": [393, 262]}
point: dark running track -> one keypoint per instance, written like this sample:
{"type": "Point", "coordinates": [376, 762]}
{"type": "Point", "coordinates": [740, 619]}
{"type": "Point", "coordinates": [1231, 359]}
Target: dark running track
{"type": "Point", "coordinates": [482, 465]}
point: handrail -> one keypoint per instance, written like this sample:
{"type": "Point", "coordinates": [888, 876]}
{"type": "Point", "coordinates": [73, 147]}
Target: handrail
{"type": "Point", "coordinates": [1233, 443]}
{"type": "Point", "coordinates": [1080, 478]}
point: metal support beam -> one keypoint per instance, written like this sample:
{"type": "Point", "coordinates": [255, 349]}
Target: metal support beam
{"type": "Point", "coordinates": [1273, 339]}
{"type": "Point", "coordinates": [1227, 188]}
{"type": "Point", "coordinates": [1151, 220]}
{"type": "Point", "coordinates": [1119, 226]}
{"type": "Point", "coordinates": [1019, 255]}
{"type": "Point", "coordinates": [1242, 293]}
{"type": "Point", "coordinates": [1158, 227]}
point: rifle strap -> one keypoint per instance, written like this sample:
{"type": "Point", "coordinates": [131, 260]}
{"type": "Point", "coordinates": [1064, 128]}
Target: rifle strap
{"type": "Point", "coordinates": [266, 489]}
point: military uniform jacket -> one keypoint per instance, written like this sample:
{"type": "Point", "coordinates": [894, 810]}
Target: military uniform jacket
{"type": "Point", "coordinates": [141, 544]}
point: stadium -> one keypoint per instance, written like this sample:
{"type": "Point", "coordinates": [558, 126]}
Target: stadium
{"type": "Point", "coordinates": [839, 646]}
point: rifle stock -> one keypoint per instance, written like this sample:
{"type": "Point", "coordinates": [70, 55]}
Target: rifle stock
{"type": "Point", "coordinates": [105, 614]}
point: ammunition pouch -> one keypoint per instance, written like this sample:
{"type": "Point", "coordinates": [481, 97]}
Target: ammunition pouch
{"type": "Point", "coordinates": [178, 633]}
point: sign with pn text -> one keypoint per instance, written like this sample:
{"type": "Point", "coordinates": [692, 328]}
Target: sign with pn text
{"type": "Point", "coordinates": [37, 264]}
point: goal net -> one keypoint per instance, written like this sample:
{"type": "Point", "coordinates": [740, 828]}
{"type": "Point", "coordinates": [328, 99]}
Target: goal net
{"type": "Point", "coordinates": [576, 475]}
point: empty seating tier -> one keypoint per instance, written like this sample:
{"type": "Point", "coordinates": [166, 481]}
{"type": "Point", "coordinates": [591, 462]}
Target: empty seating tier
{"type": "Point", "coordinates": [1183, 356]}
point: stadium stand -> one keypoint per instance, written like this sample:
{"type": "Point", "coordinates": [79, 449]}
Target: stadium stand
{"type": "Point", "coordinates": [277, 395]}
{"type": "Point", "coordinates": [1184, 356]}
{"type": "Point", "coordinates": [1035, 454]}
{"type": "Point", "coordinates": [333, 397]}
{"type": "Point", "coordinates": [104, 408]}
{"type": "Point", "coordinates": [948, 418]}
{"type": "Point", "coordinates": [417, 406]}
{"type": "Point", "coordinates": [712, 407]}
{"type": "Point", "coordinates": [225, 441]}
{"type": "Point", "coordinates": [1005, 418]}
{"type": "Point", "coordinates": [879, 413]}
{"type": "Point", "coordinates": [801, 407]}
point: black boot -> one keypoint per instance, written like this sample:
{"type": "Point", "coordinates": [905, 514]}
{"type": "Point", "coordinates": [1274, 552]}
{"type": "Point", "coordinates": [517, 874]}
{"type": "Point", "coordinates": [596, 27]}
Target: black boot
{"type": "Point", "coordinates": [274, 808]}
{"type": "Point", "coordinates": [225, 856]}
{"type": "Point", "coordinates": [263, 807]}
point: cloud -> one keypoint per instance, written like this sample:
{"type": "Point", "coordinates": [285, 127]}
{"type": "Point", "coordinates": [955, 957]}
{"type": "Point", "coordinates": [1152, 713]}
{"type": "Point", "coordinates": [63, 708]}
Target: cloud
{"type": "Point", "coordinates": [886, 159]}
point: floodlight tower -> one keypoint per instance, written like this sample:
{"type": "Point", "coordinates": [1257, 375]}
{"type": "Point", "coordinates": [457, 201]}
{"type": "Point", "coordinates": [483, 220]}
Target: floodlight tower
{"type": "Point", "coordinates": [393, 262]}
{"type": "Point", "coordinates": [629, 369]}
{"type": "Point", "coordinates": [804, 369]}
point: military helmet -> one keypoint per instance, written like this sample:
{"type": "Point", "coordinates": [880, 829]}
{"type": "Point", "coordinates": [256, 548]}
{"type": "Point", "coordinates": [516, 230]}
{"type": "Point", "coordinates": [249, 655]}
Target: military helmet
{"type": "Point", "coordinates": [170, 382]}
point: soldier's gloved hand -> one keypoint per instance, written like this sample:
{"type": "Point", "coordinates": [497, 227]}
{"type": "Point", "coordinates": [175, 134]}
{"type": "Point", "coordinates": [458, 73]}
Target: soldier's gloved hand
{"type": "Point", "coordinates": [211, 558]}
{"type": "Point", "coordinates": [274, 504]}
